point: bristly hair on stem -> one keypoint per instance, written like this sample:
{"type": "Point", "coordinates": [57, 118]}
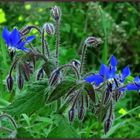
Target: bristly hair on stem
{"type": "Point", "coordinates": [57, 40]}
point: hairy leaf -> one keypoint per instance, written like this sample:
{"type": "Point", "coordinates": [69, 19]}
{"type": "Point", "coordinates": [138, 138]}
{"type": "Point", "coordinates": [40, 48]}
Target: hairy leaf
{"type": "Point", "coordinates": [62, 89]}
{"type": "Point", "coordinates": [30, 102]}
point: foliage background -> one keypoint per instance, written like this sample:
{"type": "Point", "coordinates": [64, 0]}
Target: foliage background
{"type": "Point", "coordinates": [118, 24]}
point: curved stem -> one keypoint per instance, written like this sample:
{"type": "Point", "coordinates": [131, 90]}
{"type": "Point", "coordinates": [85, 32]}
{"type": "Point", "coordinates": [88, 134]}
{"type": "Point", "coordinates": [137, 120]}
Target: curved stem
{"type": "Point", "coordinates": [74, 68]}
{"type": "Point", "coordinates": [57, 40]}
{"type": "Point", "coordinates": [10, 118]}
{"type": "Point", "coordinates": [82, 58]}
{"type": "Point", "coordinates": [44, 44]}
{"type": "Point", "coordinates": [13, 65]}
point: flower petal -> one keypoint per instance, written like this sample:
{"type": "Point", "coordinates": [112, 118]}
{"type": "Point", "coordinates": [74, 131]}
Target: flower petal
{"type": "Point", "coordinates": [103, 69]}
{"type": "Point", "coordinates": [22, 47]}
{"type": "Point", "coordinates": [113, 61]}
{"type": "Point", "coordinates": [98, 79]}
{"type": "Point", "coordinates": [125, 73]}
{"type": "Point", "coordinates": [132, 87]}
{"type": "Point", "coordinates": [30, 38]}
{"type": "Point", "coordinates": [6, 35]}
{"type": "Point", "coordinates": [137, 80]}
{"type": "Point", "coordinates": [15, 37]}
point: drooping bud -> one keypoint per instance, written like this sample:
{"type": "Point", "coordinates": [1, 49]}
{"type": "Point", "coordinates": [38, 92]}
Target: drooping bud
{"type": "Point", "coordinates": [49, 28]}
{"type": "Point", "coordinates": [54, 78]}
{"type": "Point", "coordinates": [10, 82]}
{"type": "Point", "coordinates": [40, 74]}
{"type": "Point", "coordinates": [20, 81]}
{"type": "Point", "coordinates": [26, 72]}
{"type": "Point", "coordinates": [56, 13]}
{"type": "Point", "coordinates": [92, 41]}
{"type": "Point", "coordinates": [107, 96]}
{"type": "Point", "coordinates": [26, 30]}
{"type": "Point", "coordinates": [107, 125]}
{"type": "Point", "coordinates": [71, 114]}
{"type": "Point", "coordinates": [76, 63]}
{"type": "Point", "coordinates": [81, 113]}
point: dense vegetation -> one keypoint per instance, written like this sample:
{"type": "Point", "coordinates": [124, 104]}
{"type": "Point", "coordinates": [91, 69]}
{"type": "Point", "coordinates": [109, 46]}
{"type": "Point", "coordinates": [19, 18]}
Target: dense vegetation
{"type": "Point", "coordinates": [116, 24]}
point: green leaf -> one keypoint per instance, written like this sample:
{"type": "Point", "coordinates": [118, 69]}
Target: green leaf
{"type": "Point", "coordinates": [63, 129]}
{"type": "Point", "coordinates": [23, 133]}
{"type": "Point", "coordinates": [30, 102]}
{"type": "Point", "coordinates": [62, 89]}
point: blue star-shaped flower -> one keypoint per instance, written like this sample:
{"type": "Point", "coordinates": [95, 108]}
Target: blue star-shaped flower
{"type": "Point", "coordinates": [14, 41]}
{"type": "Point", "coordinates": [135, 85]}
{"type": "Point", "coordinates": [105, 73]}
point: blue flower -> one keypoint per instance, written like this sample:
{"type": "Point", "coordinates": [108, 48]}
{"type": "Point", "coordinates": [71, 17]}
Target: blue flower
{"type": "Point", "coordinates": [14, 41]}
{"type": "Point", "coordinates": [105, 73]}
{"type": "Point", "coordinates": [135, 85]}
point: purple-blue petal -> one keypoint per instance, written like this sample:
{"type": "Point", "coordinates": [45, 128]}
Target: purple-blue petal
{"type": "Point", "coordinates": [98, 79]}
{"type": "Point", "coordinates": [113, 61]}
{"type": "Point", "coordinates": [5, 35]}
{"type": "Point", "coordinates": [137, 80]}
{"type": "Point", "coordinates": [103, 69]}
{"type": "Point", "coordinates": [125, 73]}
{"type": "Point", "coordinates": [22, 47]}
{"type": "Point", "coordinates": [132, 87]}
{"type": "Point", "coordinates": [30, 38]}
{"type": "Point", "coordinates": [15, 37]}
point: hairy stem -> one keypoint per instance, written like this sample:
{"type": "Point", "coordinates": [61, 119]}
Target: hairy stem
{"type": "Point", "coordinates": [57, 40]}
{"type": "Point", "coordinates": [10, 118]}
{"type": "Point", "coordinates": [82, 58]}
{"type": "Point", "coordinates": [44, 44]}
{"type": "Point", "coordinates": [74, 68]}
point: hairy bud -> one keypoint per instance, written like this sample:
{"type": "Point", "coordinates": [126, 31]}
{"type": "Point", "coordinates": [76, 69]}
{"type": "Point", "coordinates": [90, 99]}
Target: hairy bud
{"type": "Point", "coordinates": [20, 81]}
{"type": "Point", "coordinates": [40, 74]}
{"type": "Point", "coordinates": [71, 114]}
{"type": "Point", "coordinates": [107, 125]}
{"type": "Point", "coordinates": [26, 30]}
{"type": "Point", "coordinates": [81, 113]}
{"type": "Point", "coordinates": [10, 82]}
{"type": "Point", "coordinates": [26, 72]}
{"type": "Point", "coordinates": [76, 63]}
{"type": "Point", "coordinates": [92, 41]}
{"type": "Point", "coordinates": [56, 13]}
{"type": "Point", "coordinates": [54, 78]}
{"type": "Point", "coordinates": [49, 28]}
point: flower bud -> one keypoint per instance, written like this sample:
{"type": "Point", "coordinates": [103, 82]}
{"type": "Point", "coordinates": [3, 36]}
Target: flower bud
{"type": "Point", "coordinates": [40, 74]}
{"type": "Point", "coordinates": [26, 72]}
{"type": "Point", "coordinates": [107, 125]}
{"type": "Point", "coordinates": [92, 41]}
{"type": "Point", "coordinates": [56, 13]}
{"type": "Point", "coordinates": [20, 81]}
{"type": "Point", "coordinates": [26, 30]}
{"type": "Point", "coordinates": [10, 82]}
{"type": "Point", "coordinates": [54, 78]}
{"type": "Point", "coordinates": [49, 28]}
{"type": "Point", "coordinates": [76, 63]}
{"type": "Point", "coordinates": [81, 113]}
{"type": "Point", "coordinates": [71, 114]}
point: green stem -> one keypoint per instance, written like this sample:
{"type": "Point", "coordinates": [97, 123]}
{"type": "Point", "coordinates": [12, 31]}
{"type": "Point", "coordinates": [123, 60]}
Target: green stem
{"type": "Point", "coordinates": [82, 58]}
{"type": "Point", "coordinates": [57, 40]}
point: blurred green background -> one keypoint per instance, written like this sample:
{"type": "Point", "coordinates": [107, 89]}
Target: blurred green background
{"type": "Point", "coordinates": [117, 24]}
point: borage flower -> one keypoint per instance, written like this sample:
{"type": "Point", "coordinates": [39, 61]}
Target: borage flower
{"type": "Point", "coordinates": [14, 41]}
{"type": "Point", "coordinates": [135, 85]}
{"type": "Point", "coordinates": [105, 73]}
